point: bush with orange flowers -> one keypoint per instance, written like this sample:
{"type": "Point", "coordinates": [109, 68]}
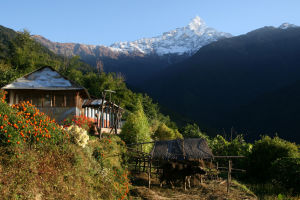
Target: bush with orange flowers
{"type": "Point", "coordinates": [81, 121]}
{"type": "Point", "coordinates": [23, 124]}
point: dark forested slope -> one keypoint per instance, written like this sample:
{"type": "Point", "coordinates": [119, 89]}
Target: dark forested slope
{"type": "Point", "coordinates": [225, 75]}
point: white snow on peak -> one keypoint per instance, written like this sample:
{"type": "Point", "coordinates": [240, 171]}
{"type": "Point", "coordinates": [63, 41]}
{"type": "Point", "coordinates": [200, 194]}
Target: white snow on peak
{"type": "Point", "coordinates": [287, 25]}
{"type": "Point", "coordinates": [196, 23]}
{"type": "Point", "coordinates": [188, 39]}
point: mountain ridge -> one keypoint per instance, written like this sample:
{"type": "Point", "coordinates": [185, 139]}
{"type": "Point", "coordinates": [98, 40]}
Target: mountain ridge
{"type": "Point", "coordinates": [187, 39]}
{"type": "Point", "coordinates": [137, 66]}
{"type": "Point", "coordinates": [180, 41]}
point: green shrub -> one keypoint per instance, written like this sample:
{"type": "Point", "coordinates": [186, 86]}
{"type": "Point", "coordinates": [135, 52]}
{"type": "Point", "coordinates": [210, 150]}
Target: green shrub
{"type": "Point", "coordinates": [237, 147]}
{"type": "Point", "coordinates": [163, 132]}
{"type": "Point", "coordinates": [286, 172]}
{"type": "Point", "coordinates": [110, 153]}
{"type": "Point", "coordinates": [264, 152]}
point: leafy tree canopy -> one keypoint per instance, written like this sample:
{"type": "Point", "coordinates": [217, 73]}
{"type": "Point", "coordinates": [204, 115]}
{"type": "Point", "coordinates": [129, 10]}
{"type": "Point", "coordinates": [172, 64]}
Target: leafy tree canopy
{"type": "Point", "coordinates": [137, 129]}
{"type": "Point", "coordinates": [193, 131]}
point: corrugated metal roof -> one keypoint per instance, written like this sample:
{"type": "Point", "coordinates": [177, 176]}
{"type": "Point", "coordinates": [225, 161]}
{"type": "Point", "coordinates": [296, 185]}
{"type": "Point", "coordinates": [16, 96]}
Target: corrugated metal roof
{"type": "Point", "coordinates": [96, 103]}
{"type": "Point", "coordinates": [45, 78]}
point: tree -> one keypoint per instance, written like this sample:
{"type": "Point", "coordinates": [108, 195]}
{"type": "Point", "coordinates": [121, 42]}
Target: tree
{"type": "Point", "coordinates": [163, 132]}
{"type": "Point", "coordinates": [237, 147]}
{"type": "Point", "coordinates": [136, 129]}
{"type": "Point", "coordinates": [193, 131]}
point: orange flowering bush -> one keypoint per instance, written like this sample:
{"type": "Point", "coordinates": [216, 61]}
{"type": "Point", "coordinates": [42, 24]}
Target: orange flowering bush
{"type": "Point", "coordinates": [81, 121]}
{"type": "Point", "coordinates": [23, 124]}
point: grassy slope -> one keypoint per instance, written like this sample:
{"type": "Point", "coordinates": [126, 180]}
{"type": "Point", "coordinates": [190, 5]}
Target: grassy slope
{"type": "Point", "coordinates": [60, 172]}
{"type": "Point", "coordinates": [35, 167]}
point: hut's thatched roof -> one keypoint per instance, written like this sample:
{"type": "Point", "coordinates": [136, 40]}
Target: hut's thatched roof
{"type": "Point", "coordinates": [187, 149]}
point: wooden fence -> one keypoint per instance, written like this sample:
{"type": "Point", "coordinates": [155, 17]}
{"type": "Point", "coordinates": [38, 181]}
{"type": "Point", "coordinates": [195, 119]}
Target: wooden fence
{"type": "Point", "coordinates": [143, 162]}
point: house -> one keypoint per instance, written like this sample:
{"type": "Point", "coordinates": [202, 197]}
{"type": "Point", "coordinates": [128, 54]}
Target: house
{"type": "Point", "coordinates": [60, 98]}
{"type": "Point", "coordinates": [49, 91]}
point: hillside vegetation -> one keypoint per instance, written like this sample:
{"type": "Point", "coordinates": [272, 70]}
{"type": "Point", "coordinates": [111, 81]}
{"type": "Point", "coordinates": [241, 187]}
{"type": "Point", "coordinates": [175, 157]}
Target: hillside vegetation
{"type": "Point", "coordinates": [41, 160]}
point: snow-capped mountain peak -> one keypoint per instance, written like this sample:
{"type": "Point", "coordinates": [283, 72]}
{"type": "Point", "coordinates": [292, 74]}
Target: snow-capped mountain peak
{"type": "Point", "coordinates": [287, 25]}
{"type": "Point", "coordinates": [196, 24]}
{"type": "Point", "coordinates": [188, 39]}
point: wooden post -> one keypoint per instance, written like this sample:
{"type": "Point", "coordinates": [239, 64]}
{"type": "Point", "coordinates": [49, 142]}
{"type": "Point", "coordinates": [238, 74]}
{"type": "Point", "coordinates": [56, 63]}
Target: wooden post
{"type": "Point", "coordinates": [217, 170]}
{"type": "Point", "coordinates": [183, 149]}
{"type": "Point", "coordinates": [77, 100]}
{"type": "Point", "coordinates": [139, 160]}
{"type": "Point", "coordinates": [229, 175]}
{"type": "Point", "coordinates": [157, 167]}
{"type": "Point", "coordinates": [112, 123]}
{"type": "Point", "coordinates": [98, 118]}
{"type": "Point", "coordinates": [65, 101]}
{"type": "Point", "coordinates": [140, 163]}
{"type": "Point", "coordinates": [144, 167]}
{"type": "Point", "coordinates": [110, 117]}
{"type": "Point", "coordinates": [136, 163]}
{"type": "Point", "coordinates": [149, 172]}
{"type": "Point", "coordinates": [117, 119]}
{"type": "Point", "coordinates": [101, 114]}
{"type": "Point", "coordinates": [106, 110]}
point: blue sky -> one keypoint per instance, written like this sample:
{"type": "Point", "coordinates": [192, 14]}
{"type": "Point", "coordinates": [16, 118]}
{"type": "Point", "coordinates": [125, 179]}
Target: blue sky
{"type": "Point", "coordinates": [108, 21]}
